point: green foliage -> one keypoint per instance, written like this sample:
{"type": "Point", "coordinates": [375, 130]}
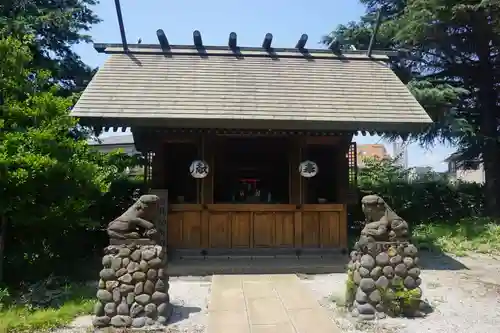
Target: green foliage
{"type": "Point", "coordinates": [55, 191]}
{"type": "Point", "coordinates": [25, 314]}
{"type": "Point", "coordinates": [58, 25]}
{"type": "Point", "coordinates": [48, 175]}
{"type": "Point", "coordinates": [377, 172]}
{"type": "Point", "coordinates": [425, 201]}
{"type": "Point", "coordinates": [34, 251]}
{"type": "Point", "coordinates": [4, 297]}
{"type": "Point", "coordinates": [472, 234]}
{"type": "Point", "coordinates": [444, 216]}
{"type": "Point", "coordinates": [452, 69]}
{"type": "Point", "coordinates": [350, 288]}
{"type": "Point", "coordinates": [399, 300]}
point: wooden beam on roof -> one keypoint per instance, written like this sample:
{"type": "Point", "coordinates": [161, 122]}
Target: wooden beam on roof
{"type": "Point", "coordinates": [116, 48]}
{"type": "Point", "coordinates": [374, 33]}
{"type": "Point", "coordinates": [302, 42]}
{"type": "Point", "coordinates": [162, 38]}
{"type": "Point", "coordinates": [232, 42]}
{"type": "Point", "coordinates": [198, 42]}
{"type": "Point", "coordinates": [120, 23]}
{"type": "Point", "coordinates": [268, 39]}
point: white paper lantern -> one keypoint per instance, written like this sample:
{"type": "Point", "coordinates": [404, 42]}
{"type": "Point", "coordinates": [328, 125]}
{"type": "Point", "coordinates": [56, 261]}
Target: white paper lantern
{"type": "Point", "coordinates": [308, 169]}
{"type": "Point", "coordinates": [199, 169]}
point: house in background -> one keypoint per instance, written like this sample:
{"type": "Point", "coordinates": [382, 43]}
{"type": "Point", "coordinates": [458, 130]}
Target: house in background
{"type": "Point", "coordinates": [366, 151]}
{"type": "Point", "coordinates": [123, 142]}
{"type": "Point", "coordinates": [470, 172]}
{"type": "Point", "coordinates": [419, 172]}
{"type": "Point", "coordinates": [108, 144]}
{"type": "Point", "coordinates": [425, 173]}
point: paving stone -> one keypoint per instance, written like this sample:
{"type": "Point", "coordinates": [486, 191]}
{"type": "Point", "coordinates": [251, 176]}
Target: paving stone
{"type": "Point", "coordinates": [265, 304]}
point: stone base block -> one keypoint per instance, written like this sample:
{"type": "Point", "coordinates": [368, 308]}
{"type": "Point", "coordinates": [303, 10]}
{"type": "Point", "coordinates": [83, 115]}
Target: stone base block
{"type": "Point", "coordinates": [133, 287]}
{"type": "Point", "coordinates": [384, 278]}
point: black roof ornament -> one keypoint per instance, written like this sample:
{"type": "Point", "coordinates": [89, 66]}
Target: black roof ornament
{"type": "Point", "coordinates": [302, 42]}
{"type": "Point", "coordinates": [232, 42]}
{"type": "Point", "coordinates": [162, 38]}
{"type": "Point", "coordinates": [268, 39]}
{"type": "Point", "coordinates": [198, 42]}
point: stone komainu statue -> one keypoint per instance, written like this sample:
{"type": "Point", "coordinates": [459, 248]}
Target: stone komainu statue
{"type": "Point", "coordinates": [135, 222]}
{"type": "Point", "coordinates": [382, 223]}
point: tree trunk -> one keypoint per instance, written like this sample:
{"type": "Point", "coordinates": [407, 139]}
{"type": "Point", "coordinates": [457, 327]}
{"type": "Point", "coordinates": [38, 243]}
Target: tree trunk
{"type": "Point", "coordinates": [491, 176]}
{"type": "Point", "coordinates": [487, 102]}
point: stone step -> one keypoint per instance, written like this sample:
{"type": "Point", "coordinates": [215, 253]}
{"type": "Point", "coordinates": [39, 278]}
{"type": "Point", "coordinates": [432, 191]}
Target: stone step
{"type": "Point", "coordinates": [202, 267]}
{"type": "Point", "coordinates": [254, 253]}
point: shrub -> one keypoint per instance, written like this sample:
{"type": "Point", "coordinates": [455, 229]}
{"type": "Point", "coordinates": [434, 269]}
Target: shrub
{"type": "Point", "coordinates": [35, 251]}
{"type": "Point", "coordinates": [473, 234]}
{"type": "Point", "coordinates": [430, 200]}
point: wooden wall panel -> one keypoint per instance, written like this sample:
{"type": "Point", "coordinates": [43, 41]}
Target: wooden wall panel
{"type": "Point", "coordinates": [263, 229]}
{"type": "Point", "coordinates": [284, 229]}
{"type": "Point", "coordinates": [174, 230]}
{"type": "Point", "coordinates": [191, 230]}
{"type": "Point", "coordinates": [240, 229]}
{"type": "Point", "coordinates": [219, 230]}
{"type": "Point", "coordinates": [329, 223]}
{"type": "Point", "coordinates": [241, 226]}
{"type": "Point", "coordinates": [310, 229]}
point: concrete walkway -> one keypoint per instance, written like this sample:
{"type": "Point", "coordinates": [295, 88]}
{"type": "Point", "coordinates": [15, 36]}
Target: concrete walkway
{"type": "Point", "coordinates": [265, 304]}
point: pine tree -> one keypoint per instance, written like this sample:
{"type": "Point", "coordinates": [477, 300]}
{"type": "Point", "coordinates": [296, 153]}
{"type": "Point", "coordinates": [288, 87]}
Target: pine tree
{"type": "Point", "coordinates": [453, 69]}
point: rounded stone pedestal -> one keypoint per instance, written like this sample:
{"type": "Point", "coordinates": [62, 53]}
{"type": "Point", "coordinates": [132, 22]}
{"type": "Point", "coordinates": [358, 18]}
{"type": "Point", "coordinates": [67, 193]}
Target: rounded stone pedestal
{"type": "Point", "coordinates": [133, 287]}
{"type": "Point", "coordinates": [384, 278]}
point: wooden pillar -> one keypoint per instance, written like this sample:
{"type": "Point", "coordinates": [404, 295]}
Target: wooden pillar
{"type": "Point", "coordinates": [207, 153]}
{"type": "Point", "coordinates": [345, 194]}
{"type": "Point", "coordinates": [163, 214]}
{"type": "Point", "coordinates": [158, 167]}
{"type": "Point", "coordinates": [296, 144]}
{"type": "Point", "coordinates": [342, 170]}
{"type": "Point", "coordinates": [206, 191]}
{"type": "Point", "coordinates": [304, 184]}
{"type": "Point", "coordinates": [295, 196]}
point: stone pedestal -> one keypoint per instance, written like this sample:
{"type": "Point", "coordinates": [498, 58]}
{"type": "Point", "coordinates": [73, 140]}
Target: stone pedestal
{"type": "Point", "coordinates": [383, 279]}
{"type": "Point", "coordinates": [133, 286]}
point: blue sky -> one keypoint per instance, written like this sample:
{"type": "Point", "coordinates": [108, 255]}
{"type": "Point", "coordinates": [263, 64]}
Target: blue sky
{"type": "Point", "coordinates": [251, 20]}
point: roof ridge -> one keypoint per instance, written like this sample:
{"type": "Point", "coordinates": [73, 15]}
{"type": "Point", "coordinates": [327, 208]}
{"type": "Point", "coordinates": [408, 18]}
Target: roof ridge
{"type": "Point", "coordinates": [116, 48]}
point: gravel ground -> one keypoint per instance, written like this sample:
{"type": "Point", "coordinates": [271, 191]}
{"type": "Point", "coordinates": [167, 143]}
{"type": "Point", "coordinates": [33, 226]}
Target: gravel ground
{"type": "Point", "coordinates": [188, 295]}
{"type": "Point", "coordinates": [190, 298]}
{"type": "Point", "coordinates": [464, 292]}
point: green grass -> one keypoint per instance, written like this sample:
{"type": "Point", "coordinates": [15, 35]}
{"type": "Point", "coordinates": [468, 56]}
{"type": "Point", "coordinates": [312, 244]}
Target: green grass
{"type": "Point", "coordinates": [80, 301]}
{"type": "Point", "coordinates": [479, 235]}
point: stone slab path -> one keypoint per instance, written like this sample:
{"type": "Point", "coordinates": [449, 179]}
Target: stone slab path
{"type": "Point", "coordinates": [265, 304]}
